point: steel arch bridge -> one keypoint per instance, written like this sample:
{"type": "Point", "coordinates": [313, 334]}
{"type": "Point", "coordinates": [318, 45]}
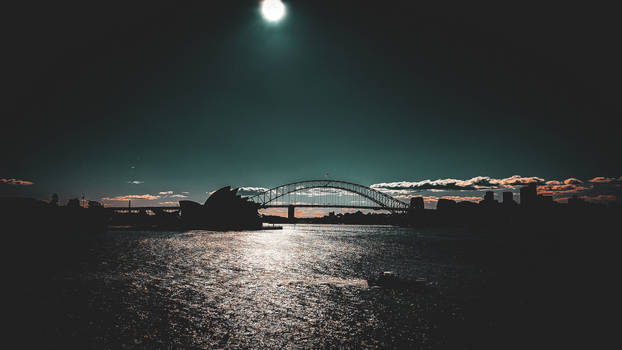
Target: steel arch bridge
{"type": "Point", "coordinates": [281, 196]}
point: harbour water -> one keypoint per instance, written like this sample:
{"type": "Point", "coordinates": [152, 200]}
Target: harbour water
{"type": "Point", "coordinates": [305, 286]}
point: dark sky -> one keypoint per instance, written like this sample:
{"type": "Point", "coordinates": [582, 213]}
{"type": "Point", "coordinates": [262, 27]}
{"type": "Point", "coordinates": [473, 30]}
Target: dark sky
{"type": "Point", "coordinates": [193, 97]}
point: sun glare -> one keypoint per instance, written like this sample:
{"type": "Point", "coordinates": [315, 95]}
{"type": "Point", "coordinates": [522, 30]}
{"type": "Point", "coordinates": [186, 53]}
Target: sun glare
{"type": "Point", "coordinates": [272, 10]}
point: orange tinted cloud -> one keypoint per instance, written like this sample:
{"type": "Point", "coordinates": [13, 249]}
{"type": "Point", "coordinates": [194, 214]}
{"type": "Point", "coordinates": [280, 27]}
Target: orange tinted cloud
{"type": "Point", "coordinates": [595, 199]}
{"type": "Point", "coordinates": [600, 198]}
{"type": "Point", "coordinates": [569, 186]}
{"type": "Point", "coordinates": [573, 181]}
{"type": "Point", "coordinates": [516, 180]}
{"type": "Point", "coordinates": [553, 182]}
{"type": "Point", "coordinates": [601, 179]}
{"type": "Point", "coordinates": [132, 196]}
{"type": "Point", "coordinates": [16, 182]}
{"type": "Point", "coordinates": [551, 190]}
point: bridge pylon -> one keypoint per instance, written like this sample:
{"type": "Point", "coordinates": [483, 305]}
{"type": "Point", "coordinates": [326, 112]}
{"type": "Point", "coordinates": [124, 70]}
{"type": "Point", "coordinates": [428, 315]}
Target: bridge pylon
{"type": "Point", "coordinates": [291, 212]}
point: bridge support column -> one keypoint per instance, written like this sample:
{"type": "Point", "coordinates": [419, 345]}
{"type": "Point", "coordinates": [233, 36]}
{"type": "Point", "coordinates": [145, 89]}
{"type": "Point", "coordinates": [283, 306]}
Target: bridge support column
{"type": "Point", "coordinates": [291, 212]}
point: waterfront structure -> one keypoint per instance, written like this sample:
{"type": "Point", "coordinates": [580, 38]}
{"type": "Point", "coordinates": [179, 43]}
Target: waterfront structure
{"type": "Point", "coordinates": [223, 210]}
{"type": "Point", "coordinates": [292, 196]}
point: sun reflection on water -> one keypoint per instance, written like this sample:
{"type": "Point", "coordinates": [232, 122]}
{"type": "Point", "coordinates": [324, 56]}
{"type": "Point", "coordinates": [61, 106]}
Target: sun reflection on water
{"type": "Point", "coordinates": [304, 285]}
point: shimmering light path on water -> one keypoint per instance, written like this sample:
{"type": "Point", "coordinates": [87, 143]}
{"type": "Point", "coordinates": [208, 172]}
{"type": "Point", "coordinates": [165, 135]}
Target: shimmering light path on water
{"type": "Point", "coordinates": [303, 286]}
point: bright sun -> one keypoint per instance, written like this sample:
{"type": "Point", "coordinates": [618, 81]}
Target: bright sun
{"type": "Point", "coordinates": [272, 10]}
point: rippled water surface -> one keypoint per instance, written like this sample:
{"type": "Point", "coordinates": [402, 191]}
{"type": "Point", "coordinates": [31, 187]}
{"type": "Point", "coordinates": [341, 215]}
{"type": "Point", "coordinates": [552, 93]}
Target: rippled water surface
{"type": "Point", "coordinates": [303, 286]}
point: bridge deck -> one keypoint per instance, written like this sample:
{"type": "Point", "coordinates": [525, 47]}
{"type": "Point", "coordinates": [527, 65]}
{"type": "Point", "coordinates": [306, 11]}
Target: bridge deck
{"type": "Point", "coordinates": [265, 207]}
{"type": "Point", "coordinates": [142, 208]}
{"type": "Point", "coordinates": [328, 206]}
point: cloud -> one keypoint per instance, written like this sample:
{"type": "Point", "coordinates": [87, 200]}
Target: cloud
{"type": "Point", "coordinates": [250, 191]}
{"type": "Point", "coordinates": [16, 182]}
{"type": "Point", "coordinates": [568, 186]}
{"type": "Point", "coordinates": [602, 180]}
{"type": "Point", "coordinates": [600, 198]}
{"type": "Point", "coordinates": [597, 189]}
{"type": "Point", "coordinates": [136, 182]}
{"type": "Point", "coordinates": [132, 196]}
{"type": "Point", "coordinates": [476, 183]}
{"type": "Point", "coordinates": [572, 181]}
{"type": "Point", "coordinates": [169, 194]}
{"type": "Point", "coordinates": [170, 203]}
{"type": "Point", "coordinates": [516, 180]}
{"type": "Point", "coordinates": [186, 192]}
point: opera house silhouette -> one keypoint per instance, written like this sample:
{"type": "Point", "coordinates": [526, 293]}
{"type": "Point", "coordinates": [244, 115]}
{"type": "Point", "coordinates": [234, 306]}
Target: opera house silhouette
{"type": "Point", "coordinates": [223, 210]}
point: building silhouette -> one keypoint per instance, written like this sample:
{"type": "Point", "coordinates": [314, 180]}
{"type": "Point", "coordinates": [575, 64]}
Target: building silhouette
{"type": "Point", "coordinates": [416, 203]}
{"type": "Point", "coordinates": [508, 198]}
{"type": "Point", "coordinates": [529, 195]}
{"type": "Point", "coordinates": [223, 210]}
{"type": "Point", "coordinates": [489, 199]}
{"type": "Point", "coordinates": [445, 204]}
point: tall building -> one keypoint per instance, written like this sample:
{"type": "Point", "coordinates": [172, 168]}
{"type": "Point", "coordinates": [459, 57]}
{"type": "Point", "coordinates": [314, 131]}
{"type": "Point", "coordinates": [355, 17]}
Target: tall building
{"type": "Point", "coordinates": [508, 198]}
{"type": "Point", "coordinates": [489, 200]}
{"type": "Point", "coordinates": [416, 203]}
{"type": "Point", "coordinates": [529, 195]}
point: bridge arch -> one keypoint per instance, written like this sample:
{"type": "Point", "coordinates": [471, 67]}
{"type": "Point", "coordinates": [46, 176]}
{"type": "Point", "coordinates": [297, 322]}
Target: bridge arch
{"type": "Point", "coordinates": [382, 200]}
